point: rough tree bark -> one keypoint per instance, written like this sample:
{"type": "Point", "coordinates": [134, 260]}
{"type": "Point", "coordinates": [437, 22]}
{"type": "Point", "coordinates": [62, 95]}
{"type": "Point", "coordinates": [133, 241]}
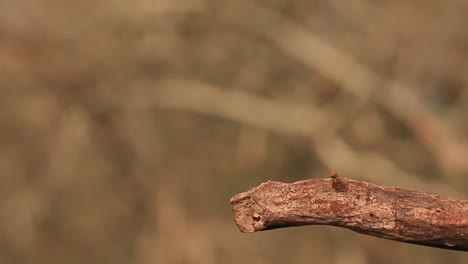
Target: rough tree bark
{"type": "Point", "coordinates": [386, 212]}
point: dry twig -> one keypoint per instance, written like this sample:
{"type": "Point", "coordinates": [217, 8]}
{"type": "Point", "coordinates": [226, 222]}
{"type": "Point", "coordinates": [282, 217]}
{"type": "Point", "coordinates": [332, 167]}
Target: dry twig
{"type": "Point", "coordinates": [386, 212]}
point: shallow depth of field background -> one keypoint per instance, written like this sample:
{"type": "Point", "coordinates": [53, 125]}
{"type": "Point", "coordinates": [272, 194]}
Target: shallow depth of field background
{"type": "Point", "coordinates": [126, 126]}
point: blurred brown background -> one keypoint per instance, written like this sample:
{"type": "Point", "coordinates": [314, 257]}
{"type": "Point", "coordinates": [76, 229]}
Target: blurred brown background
{"type": "Point", "coordinates": [126, 126]}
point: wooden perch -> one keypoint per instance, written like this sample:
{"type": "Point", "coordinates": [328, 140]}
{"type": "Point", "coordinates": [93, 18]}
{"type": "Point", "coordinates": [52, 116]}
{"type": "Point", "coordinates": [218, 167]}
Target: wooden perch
{"type": "Point", "coordinates": [386, 212]}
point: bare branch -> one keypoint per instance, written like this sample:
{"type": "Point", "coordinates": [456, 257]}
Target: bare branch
{"type": "Point", "coordinates": [386, 212]}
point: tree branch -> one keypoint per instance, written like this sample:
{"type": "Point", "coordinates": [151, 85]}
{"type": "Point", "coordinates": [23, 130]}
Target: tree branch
{"type": "Point", "coordinates": [386, 212]}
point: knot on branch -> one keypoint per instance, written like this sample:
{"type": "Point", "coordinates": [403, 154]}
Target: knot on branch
{"type": "Point", "coordinates": [339, 184]}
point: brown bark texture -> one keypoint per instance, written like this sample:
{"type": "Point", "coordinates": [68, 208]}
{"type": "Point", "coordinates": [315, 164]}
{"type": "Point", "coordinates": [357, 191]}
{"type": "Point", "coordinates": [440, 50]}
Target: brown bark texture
{"type": "Point", "coordinates": [386, 212]}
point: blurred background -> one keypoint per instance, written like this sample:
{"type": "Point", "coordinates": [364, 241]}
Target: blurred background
{"type": "Point", "coordinates": [126, 126]}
